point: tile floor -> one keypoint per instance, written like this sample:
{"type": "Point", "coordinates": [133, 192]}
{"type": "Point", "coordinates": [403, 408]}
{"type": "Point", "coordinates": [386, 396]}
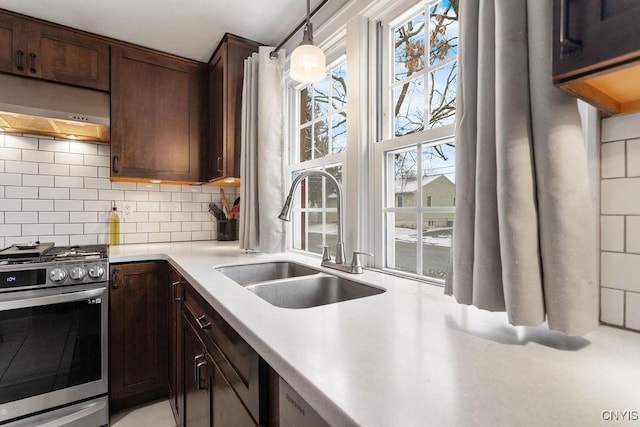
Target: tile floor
{"type": "Point", "coordinates": [154, 414]}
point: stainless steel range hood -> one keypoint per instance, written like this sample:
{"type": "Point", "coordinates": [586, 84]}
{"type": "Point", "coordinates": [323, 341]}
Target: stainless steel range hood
{"type": "Point", "coordinates": [44, 108]}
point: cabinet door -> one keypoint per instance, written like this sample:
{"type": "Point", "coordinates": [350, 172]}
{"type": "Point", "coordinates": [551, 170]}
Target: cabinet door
{"type": "Point", "coordinates": [607, 33]}
{"type": "Point", "coordinates": [217, 164]}
{"type": "Point", "coordinates": [175, 346]}
{"type": "Point", "coordinates": [13, 44]}
{"type": "Point", "coordinates": [155, 109]}
{"type": "Point", "coordinates": [138, 333]}
{"type": "Point", "coordinates": [67, 57]}
{"type": "Point", "coordinates": [197, 399]}
{"type": "Point", "coordinates": [227, 407]}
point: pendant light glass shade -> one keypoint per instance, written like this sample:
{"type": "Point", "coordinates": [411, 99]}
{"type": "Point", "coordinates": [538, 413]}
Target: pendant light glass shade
{"type": "Point", "coordinates": [308, 64]}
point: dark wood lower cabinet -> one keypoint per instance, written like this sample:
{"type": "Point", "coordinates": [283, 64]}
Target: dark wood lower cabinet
{"type": "Point", "coordinates": [176, 393]}
{"type": "Point", "coordinates": [197, 391]}
{"type": "Point", "coordinates": [137, 333]}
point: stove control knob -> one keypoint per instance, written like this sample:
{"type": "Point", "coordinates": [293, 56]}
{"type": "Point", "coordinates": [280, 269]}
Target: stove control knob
{"type": "Point", "coordinates": [77, 273]}
{"type": "Point", "coordinates": [57, 275]}
{"type": "Point", "coordinates": [96, 272]}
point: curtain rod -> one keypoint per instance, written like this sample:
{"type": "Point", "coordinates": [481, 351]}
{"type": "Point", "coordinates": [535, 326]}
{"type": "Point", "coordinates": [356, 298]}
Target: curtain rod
{"type": "Point", "coordinates": [274, 52]}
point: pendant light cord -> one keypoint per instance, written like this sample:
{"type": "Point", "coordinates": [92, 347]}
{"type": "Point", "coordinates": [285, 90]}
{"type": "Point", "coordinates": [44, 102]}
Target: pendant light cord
{"type": "Point", "coordinates": [305, 22]}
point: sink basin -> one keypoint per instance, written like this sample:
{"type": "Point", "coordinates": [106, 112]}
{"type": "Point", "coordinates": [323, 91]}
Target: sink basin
{"type": "Point", "coordinates": [312, 291]}
{"type": "Point", "coordinates": [248, 274]}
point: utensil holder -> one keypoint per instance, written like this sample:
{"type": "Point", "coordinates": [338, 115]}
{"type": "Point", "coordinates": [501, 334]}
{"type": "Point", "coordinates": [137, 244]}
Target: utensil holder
{"type": "Point", "coordinates": [227, 230]}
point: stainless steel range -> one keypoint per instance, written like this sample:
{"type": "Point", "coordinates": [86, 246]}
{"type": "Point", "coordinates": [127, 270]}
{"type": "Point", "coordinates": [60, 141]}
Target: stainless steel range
{"type": "Point", "coordinates": [53, 335]}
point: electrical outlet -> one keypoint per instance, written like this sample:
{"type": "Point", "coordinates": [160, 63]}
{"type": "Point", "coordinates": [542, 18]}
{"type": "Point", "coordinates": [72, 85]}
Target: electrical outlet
{"type": "Point", "coordinates": [127, 209]}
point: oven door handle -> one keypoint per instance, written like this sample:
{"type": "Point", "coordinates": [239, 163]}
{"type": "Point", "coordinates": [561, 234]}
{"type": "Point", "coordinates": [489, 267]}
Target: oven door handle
{"type": "Point", "coordinates": [52, 299]}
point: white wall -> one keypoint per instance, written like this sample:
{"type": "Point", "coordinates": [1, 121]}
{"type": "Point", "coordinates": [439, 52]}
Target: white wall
{"type": "Point", "coordinates": [620, 221]}
{"type": "Point", "coordinates": [59, 191]}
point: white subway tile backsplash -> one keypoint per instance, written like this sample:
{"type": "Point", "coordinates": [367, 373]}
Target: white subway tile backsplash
{"type": "Point", "coordinates": [620, 196]}
{"type": "Point", "coordinates": [633, 234]}
{"type": "Point", "coordinates": [37, 229]}
{"type": "Point", "coordinates": [633, 157]}
{"type": "Point", "coordinates": [12, 166]}
{"type": "Point", "coordinates": [84, 171]}
{"type": "Point", "coordinates": [180, 236]}
{"type": "Point", "coordinates": [37, 180]}
{"type": "Point", "coordinates": [632, 319]}
{"type": "Point", "coordinates": [83, 194]}
{"type": "Point", "coordinates": [612, 306]}
{"type": "Point", "coordinates": [620, 271]}
{"type": "Point", "coordinates": [111, 195]}
{"type": "Point", "coordinates": [100, 183]}
{"type": "Point", "coordinates": [10, 153]}
{"type": "Point", "coordinates": [96, 161]}
{"type": "Point", "coordinates": [10, 204]}
{"type": "Point", "coordinates": [159, 216]}
{"type": "Point", "coordinates": [83, 148]}
{"type": "Point", "coordinates": [141, 196]}
{"type": "Point", "coordinates": [10, 230]}
{"type": "Point", "coordinates": [53, 169]}
{"type": "Point", "coordinates": [61, 190]}
{"type": "Point", "coordinates": [37, 156]}
{"type": "Point", "coordinates": [53, 217]}
{"type": "Point", "coordinates": [21, 217]}
{"type": "Point", "coordinates": [83, 217]}
{"type": "Point", "coordinates": [54, 145]}
{"type": "Point", "coordinates": [37, 205]}
{"type": "Point", "coordinates": [69, 181]}
{"type": "Point", "coordinates": [159, 237]}
{"type": "Point", "coordinates": [53, 193]}
{"type": "Point", "coordinates": [621, 126]}
{"type": "Point", "coordinates": [69, 158]}
{"type": "Point", "coordinates": [83, 239]}
{"type": "Point", "coordinates": [14, 141]}
{"type": "Point", "coordinates": [10, 179]}
{"type": "Point", "coordinates": [613, 160]}
{"type": "Point", "coordinates": [20, 192]}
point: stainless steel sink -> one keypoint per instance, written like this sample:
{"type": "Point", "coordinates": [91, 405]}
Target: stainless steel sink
{"type": "Point", "coordinates": [291, 285]}
{"type": "Point", "coordinates": [312, 291]}
{"type": "Point", "coordinates": [248, 274]}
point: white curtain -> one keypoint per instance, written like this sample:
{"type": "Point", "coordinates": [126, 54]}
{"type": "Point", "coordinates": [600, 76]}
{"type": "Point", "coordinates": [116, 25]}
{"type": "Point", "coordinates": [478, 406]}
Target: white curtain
{"type": "Point", "coordinates": [524, 237]}
{"type": "Point", "coordinates": [262, 164]}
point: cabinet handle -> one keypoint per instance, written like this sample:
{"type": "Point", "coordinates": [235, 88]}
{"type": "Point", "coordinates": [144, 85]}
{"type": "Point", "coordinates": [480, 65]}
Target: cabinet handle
{"type": "Point", "coordinates": [115, 164]}
{"type": "Point", "coordinates": [32, 63]}
{"type": "Point", "coordinates": [202, 322]}
{"type": "Point", "coordinates": [219, 164]}
{"type": "Point", "coordinates": [569, 47]}
{"type": "Point", "coordinates": [174, 287]}
{"type": "Point", "coordinates": [19, 55]}
{"type": "Point", "coordinates": [114, 279]}
{"type": "Point", "coordinates": [196, 371]}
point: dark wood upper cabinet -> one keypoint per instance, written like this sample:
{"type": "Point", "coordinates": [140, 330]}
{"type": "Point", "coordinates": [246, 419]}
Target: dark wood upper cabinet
{"type": "Point", "coordinates": [596, 52]}
{"type": "Point", "coordinates": [137, 333]}
{"type": "Point", "coordinates": [155, 116]}
{"type": "Point", "coordinates": [39, 50]}
{"type": "Point", "coordinates": [226, 74]}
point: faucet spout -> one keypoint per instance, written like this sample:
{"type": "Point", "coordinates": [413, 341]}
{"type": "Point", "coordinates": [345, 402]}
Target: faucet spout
{"type": "Point", "coordinates": [285, 215]}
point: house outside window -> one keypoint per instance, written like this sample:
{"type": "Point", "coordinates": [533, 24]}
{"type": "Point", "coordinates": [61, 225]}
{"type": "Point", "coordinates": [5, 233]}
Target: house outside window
{"type": "Point", "coordinates": [416, 151]}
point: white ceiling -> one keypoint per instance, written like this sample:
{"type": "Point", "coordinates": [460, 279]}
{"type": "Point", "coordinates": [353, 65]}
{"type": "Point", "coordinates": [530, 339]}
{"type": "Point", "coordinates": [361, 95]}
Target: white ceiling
{"type": "Point", "coordinates": [188, 28]}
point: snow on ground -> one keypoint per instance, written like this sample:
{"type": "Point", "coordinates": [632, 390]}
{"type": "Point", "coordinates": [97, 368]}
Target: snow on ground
{"type": "Point", "coordinates": [433, 237]}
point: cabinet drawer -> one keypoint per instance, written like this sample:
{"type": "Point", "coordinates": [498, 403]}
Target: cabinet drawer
{"type": "Point", "coordinates": [239, 363]}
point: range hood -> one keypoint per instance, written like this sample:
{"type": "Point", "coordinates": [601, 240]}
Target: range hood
{"type": "Point", "coordinates": [44, 108]}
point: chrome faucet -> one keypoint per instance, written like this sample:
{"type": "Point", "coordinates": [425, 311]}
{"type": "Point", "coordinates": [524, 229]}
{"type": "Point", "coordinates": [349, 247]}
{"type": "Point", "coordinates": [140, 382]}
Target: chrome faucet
{"type": "Point", "coordinates": [341, 261]}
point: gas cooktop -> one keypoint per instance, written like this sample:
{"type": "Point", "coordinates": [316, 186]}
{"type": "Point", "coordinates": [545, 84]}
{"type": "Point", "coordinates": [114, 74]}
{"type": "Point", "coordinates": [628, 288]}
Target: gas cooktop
{"type": "Point", "coordinates": [47, 252]}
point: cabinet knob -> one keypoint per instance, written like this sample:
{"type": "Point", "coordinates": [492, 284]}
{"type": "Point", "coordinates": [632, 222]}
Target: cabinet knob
{"type": "Point", "coordinates": [202, 322]}
{"type": "Point", "coordinates": [114, 279]}
{"type": "Point", "coordinates": [115, 164]}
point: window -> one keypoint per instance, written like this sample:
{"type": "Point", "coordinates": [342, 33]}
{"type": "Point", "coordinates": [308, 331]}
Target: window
{"type": "Point", "coordinates": [321, 125]}
{"type": "Point", "coordinates": [399, 201]}
{"type": "Point", "coordinates": [416, 154]}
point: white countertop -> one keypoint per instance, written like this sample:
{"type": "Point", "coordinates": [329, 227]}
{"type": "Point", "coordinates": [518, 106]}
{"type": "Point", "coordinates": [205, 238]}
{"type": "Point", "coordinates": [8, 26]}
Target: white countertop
{"type": "Point", "coordinates": [412, 356]}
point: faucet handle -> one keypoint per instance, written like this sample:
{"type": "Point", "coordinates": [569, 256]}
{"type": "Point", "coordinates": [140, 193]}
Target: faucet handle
{"type": "Point", "coordinates": [356, 264]}
{"type": "Point", "coordinates": [326, 256]}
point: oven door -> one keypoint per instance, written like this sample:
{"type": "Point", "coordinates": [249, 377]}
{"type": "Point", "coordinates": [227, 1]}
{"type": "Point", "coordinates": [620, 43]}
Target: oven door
{"type": "Point", "coordinates": [53, 348]}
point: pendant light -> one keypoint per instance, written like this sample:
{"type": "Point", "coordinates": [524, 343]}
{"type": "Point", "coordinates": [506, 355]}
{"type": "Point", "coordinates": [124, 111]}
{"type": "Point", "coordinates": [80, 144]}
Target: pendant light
{"type": "Point", "coordinates": [308, 64]}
